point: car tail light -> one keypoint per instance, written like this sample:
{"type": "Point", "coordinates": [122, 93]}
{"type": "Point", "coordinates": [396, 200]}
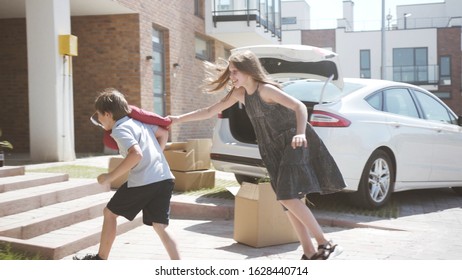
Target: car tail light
{"type": "Point", "coordinates": [220, 115]}
{"type": "Point", "coordinates": [325, 119]}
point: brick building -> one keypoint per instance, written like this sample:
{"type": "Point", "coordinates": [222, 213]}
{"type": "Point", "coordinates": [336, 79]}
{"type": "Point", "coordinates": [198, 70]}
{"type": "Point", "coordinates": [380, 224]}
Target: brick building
{"type": "Point", "coordinates": [151, 50]}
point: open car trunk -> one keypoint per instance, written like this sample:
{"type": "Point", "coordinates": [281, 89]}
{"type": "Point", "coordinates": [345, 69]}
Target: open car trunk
{"type": "Point", "coordinates": [283, 63]}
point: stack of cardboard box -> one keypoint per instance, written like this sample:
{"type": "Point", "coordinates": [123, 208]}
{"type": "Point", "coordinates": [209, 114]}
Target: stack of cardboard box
{"type": "Point", "coordinates": [190, 164]}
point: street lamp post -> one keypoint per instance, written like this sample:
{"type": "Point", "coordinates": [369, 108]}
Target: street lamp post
{"type": "Point", "coordinates": [383, 46]}
{"type": "Point", "coordinates": [389, 17]}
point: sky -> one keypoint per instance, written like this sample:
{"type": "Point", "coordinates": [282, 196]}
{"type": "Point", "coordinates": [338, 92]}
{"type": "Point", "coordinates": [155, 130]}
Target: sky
{"type": "Point", "coordinates": [367, 13]}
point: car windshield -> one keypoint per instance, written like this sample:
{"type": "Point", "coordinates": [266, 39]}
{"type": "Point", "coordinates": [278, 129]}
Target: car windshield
{"type": "Point", "coordinates": [310, 90]}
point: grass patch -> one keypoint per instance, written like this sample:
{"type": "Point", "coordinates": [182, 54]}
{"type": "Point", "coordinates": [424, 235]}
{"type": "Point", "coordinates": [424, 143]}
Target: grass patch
{"type": "Point", "coordinates": [6, 253]}
{"type": "Point", "coordinates": [74, 171]}
{"type": "Point", "coordinates": [219, 191]}
{"type": "Point", "coordinates": [340, 202]}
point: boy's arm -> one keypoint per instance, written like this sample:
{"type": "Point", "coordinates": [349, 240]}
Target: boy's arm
{"type": "Point", "coordinates": [131, 160]}
{"type": "Point", "coordinates": [162, 137]}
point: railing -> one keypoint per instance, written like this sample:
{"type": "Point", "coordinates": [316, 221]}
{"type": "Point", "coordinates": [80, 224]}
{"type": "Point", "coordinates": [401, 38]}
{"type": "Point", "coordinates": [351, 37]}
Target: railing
{"type": "Point", "coordinates": [265, 15]}
{"type": "Point", "coordinates": [417, 75]}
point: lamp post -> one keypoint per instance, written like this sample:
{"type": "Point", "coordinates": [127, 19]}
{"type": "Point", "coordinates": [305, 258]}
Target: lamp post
{"type": "Point", "coordinates": [406, 15]}
{"type": "Point", "coordinates": [383, 48]}
{"type": "Point", "coordinates": [389, 17]}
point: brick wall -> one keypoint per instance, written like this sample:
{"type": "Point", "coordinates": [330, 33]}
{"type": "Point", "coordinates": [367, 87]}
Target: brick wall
{"type": "Point", "coordinates": [449, 42]}
{"type": "Point", "coordinates": [112, 53]}
{"type": "Point", "coordinates": [14, 106]}
{"type": "Point", "coordinates": [108, 57]}
{"type": "Point", "coordinates": [183, 93]}
{"type": "Point", "coordinates": [324, 38]}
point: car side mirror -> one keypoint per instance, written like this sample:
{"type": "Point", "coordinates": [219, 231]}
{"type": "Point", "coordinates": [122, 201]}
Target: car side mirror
{"type": "Point", "coordinates": [459, 120]}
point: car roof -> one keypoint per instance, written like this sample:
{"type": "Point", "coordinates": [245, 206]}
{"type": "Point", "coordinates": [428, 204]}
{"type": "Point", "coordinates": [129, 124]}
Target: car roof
{"type": "Point", "coordinates": [377, 83]}
{"type": "Point", "coordinates": [304, 61]}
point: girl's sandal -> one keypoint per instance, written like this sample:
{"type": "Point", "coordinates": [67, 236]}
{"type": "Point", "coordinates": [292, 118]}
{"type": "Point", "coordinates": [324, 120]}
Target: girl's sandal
{"type": "Point", "coordinates": [316, 256]}
{"type": "Point", "coordinates": [328, 249]}
{"type": "Point", "coordinates": [325, 251]}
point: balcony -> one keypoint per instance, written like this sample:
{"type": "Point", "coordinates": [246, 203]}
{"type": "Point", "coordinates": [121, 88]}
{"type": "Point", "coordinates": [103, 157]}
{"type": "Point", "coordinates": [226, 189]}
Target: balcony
{"type": "Point", "coordinates": [244, 22]}
{"type": "Point", "coordinates": [426, 76]}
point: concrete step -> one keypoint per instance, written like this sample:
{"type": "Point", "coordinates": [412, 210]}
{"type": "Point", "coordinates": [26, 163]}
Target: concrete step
{"type": "Point", "coordinates": [24, 181]}
{"type": "Point", "coordinates": [6, 171]}
{"type": "Point", "coordinates": [21, 200]}
{"type": "Point", "coordinates": [29, 224]}
{"type": "Point", "coordinates": [51, 215]}
{"type": "Point", "coordinates": [69, 240]}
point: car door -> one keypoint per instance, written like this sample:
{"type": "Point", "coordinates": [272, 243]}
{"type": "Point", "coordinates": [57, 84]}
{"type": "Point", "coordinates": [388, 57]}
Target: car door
{"type": "Point", "coordinates": [412, 139]}
{"type": "Point", "coordinates": [447, 151]}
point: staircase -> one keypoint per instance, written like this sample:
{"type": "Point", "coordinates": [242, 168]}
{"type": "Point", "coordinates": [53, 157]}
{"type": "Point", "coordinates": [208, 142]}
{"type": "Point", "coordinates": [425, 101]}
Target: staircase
{"type": "Point", "coordinates": [50, 214]}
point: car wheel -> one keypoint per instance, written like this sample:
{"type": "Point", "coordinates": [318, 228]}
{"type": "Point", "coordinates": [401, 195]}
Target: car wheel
{"type": "Point", "coordinates": [377, 180]}
{"type": "Point", "coordinates": [245, 178]}
{"type": "Point", "coordinates": [457, 190]}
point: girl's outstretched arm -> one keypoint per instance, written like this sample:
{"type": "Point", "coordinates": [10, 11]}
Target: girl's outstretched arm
{"type": "Point", "coordinates": [213, 110]}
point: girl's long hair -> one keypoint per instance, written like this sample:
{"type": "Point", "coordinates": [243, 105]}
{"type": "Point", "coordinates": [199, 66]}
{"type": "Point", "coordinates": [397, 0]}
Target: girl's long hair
{"type": "Point", "coordinates": [218, 74]}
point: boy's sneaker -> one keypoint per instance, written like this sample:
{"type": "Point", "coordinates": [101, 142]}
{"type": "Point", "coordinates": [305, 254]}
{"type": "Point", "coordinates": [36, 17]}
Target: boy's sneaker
{"type": "Point", "coordinates": [90, 257]}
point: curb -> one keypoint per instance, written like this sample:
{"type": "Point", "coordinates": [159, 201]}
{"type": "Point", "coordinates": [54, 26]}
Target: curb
{"type": "Point", "coordinates": [186, 207]}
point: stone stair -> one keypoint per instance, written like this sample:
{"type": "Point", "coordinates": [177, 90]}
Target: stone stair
{"type": "Point", "coordinates": [50, 214]}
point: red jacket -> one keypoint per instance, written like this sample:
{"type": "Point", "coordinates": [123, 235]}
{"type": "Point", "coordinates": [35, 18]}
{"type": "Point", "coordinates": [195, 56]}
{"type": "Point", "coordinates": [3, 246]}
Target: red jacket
{"type": "Point", "coordinates": [139, 115]}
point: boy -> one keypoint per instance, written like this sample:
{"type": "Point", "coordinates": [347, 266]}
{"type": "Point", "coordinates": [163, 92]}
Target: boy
{"type": "Point", "coordinates": [150, 181]}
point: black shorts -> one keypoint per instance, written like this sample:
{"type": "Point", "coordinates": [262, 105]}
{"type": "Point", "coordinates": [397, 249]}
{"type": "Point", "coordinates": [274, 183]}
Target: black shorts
{"type": "Point", "coordinates": [153, 199]}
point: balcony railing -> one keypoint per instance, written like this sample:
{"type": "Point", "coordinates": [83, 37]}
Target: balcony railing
{"type": "Point", "coordinates": [417, 75]}
{"type": "Point", "coordinates": [265, 13]}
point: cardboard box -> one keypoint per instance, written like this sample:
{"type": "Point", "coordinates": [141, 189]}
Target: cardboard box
{"type": "Point", "coordinates": [201, 148]}
{"type": "Point", "coordinates": [194, 180]}
{"type": "Point", "coordinates": [259, 220]}
{"type": "Point", "coordinates": [178, 158]}
{"type": "Point", "coordinates": [113, 163]}
{"type": "Point", "coordinates": [189, 156]}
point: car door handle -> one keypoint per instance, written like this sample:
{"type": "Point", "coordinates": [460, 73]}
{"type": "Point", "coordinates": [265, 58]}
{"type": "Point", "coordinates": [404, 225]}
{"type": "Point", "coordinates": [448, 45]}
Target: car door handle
{"type": "Point", "coordinates": [395, 124]}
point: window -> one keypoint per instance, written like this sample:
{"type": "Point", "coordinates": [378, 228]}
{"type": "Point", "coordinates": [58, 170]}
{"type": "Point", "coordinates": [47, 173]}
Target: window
{"type": "Point", "coordinates": [399, 101]}
{"type": "Point", "coordinates": [365, 63]}
{"type": "Point", "coordinates": [225, 5]}
{"type": "Point", "coordinates": [442, 95]}
{"type": "Point", "coordinates": [203, 49]}
{"type": "Point", "coordinates": [375, 101]}
{"type": "Point", "coordinates": [445, 70]}
{"type": "Point", "coordinates": [158, 71]}
{"type": "Point", "coordinates": [199, 8]}
{"type": "Point", "coordinates": [289, 20]}
{"type": "Point", "coordinates": [410, 65]}
{"type": "Point", "coordinates": [434, 110]}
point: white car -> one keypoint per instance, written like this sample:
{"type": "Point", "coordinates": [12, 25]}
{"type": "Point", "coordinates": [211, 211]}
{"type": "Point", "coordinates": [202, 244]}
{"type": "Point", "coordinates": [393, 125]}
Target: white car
{"type": "Point", "coordinates": [385, 136]}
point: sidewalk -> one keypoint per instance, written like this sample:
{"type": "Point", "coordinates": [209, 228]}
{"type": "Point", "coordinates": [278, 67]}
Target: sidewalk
{"type": "Point", "coordinates": [428, 228]}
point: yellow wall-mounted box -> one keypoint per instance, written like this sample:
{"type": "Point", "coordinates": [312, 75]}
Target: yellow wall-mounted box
{"type": "Point", "coordinates": [68, 45]}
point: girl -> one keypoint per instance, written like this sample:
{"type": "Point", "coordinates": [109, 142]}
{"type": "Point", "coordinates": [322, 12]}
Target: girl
{"type": "Point", "coordinates": [296, 167]}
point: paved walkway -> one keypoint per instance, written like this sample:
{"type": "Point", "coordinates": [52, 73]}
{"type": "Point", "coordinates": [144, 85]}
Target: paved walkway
{"type": "Point", "coordinates": [429, 227]}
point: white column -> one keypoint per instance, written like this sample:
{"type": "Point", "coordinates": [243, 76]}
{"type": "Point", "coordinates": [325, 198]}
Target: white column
{"type": "Point", "coordinates": [51, 112]}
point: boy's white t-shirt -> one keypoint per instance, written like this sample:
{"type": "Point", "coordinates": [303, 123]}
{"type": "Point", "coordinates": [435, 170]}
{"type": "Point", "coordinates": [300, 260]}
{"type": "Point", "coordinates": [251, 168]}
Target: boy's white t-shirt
{"type": "Point", "coordinates": [153, 166]}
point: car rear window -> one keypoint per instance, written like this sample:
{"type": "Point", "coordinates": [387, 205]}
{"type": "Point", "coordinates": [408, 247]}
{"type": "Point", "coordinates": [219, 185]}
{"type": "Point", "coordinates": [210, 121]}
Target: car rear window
{"type": "Point", "coordinates": [310, 90]}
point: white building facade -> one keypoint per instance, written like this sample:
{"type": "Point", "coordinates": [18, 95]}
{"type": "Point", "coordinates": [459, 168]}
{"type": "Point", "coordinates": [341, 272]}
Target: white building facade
{"type": "Point", "coordinates": [423, 46]}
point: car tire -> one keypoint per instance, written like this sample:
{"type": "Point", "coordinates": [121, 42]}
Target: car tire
{"type": "Point", "coordinates": [377, 181]}
{"type": "Point", "coordinates": [245, 178]}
